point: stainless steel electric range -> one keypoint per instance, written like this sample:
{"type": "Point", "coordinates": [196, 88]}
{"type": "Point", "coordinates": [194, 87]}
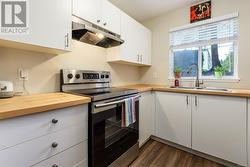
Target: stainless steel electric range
{"type": "Point", "coordinates": [110, 143]}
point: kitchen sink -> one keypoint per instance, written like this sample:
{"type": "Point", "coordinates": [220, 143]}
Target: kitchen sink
{"type": "Point", "coordinates": [183, 87]}
{"type": "Point", "coordinates": [201, 88]}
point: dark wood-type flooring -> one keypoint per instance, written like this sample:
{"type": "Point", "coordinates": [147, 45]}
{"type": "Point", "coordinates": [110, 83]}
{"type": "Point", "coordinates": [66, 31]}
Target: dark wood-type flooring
{"type": "Point", "coordinates": [155, 154]}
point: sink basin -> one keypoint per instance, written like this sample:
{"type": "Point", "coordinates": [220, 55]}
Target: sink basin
{"type": "Point", "coordinates": [201, 88]}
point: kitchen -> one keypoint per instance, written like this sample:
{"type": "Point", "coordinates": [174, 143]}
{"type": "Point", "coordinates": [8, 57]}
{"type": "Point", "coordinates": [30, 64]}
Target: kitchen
{"type": "Point", "coordinates": [167, 115]}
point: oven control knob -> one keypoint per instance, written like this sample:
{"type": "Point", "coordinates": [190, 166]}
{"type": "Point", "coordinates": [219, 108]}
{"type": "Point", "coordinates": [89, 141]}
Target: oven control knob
{"type": "Point", "coordinates": [70, 76]}
{"type": "Point", "coordinates": [77, 76]}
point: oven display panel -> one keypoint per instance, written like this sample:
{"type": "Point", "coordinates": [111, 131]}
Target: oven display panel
{"type": "Point", "coordinates": [91, 76]}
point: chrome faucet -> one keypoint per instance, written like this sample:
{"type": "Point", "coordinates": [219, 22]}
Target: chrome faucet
{"type": "Point", "coordinates": [197, 81]}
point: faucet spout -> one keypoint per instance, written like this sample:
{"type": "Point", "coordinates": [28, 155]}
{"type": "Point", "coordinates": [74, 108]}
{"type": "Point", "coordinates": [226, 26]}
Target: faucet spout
{"type": "Point", "coordinates": [197, 81]}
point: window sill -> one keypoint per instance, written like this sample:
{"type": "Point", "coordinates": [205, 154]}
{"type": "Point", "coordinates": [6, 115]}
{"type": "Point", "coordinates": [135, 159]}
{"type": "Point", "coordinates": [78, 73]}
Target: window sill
{"type": "Point", "coordinates": [222, 80]}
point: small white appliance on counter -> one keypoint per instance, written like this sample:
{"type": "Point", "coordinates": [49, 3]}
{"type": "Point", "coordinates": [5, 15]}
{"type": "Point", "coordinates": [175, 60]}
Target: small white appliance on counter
{"type": "Point", "coordinates": [6, 89]}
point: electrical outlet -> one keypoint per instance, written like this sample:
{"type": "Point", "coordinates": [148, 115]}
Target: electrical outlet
{"type": "Point", "coordinates": [23, 74]}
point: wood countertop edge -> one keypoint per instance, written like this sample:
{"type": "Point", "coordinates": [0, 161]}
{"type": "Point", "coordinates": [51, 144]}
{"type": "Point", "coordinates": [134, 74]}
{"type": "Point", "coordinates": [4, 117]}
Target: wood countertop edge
{"type": "Point", "coordinates": [159, 88]}
{"type": "Point", "coordinates": [203, 92]}
{"type": "Point", "coordinates": [41, 109]}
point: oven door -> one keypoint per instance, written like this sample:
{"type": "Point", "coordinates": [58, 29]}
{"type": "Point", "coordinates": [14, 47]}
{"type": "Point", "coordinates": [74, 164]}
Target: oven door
{"type": "Point", "coordinates": [108, 139]}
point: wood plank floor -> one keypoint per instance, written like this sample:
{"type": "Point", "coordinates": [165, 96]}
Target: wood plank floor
{"type": "Point", "coordinates": [155, 154]}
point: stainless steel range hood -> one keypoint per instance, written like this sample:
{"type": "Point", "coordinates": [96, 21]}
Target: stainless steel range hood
{"type": "Point", "coordinates": [87, 32]}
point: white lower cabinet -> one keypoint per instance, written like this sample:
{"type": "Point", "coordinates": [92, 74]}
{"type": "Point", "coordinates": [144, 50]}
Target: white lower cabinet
{"type": "Point", "coordinates": [25, 128]}
{"type": "Point", "coordinates": [173, 118]}
{"type": "Point", "coordinates": [248, 147]}
{"type": "Point", "coordinates": [214, 125]}
{"type": "Point", "coordinates": [73, 157]}
{"type": "Point", "coordinates": [31, 149]}
{"type": "Point", "coordinates": [219, 127]}
{"type": "Point", "coordinates": [146, 117]}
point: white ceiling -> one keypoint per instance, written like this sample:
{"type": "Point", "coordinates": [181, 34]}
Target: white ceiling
{"type": "Point", "coordinates": [143, 10]}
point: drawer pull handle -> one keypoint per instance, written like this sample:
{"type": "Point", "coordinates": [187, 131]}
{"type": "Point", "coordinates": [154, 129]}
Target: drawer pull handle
{"type": "Point", "coordinates": [54, 145]}
{"type": "Point", "coordinates": [54, 165]}
{"type": "Point", "coordinates": [54, 121]}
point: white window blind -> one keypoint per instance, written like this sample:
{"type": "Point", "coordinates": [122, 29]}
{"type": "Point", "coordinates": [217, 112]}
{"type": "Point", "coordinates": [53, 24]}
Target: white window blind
{"type": "Point", "coordinates": [224, 29]}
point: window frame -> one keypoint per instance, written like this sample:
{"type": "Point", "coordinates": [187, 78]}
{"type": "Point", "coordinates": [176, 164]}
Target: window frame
{"type": "Point", "coordinates": [211, 78]}
{"type": "Point", "coordinates": [235, 42]}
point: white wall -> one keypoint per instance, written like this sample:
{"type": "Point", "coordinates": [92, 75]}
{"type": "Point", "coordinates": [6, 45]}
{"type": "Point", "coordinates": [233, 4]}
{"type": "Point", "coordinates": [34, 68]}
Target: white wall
{"type": "Point", "coordinates": [160, 48]}
{"type": "Point", "coordinates": [44, 68]}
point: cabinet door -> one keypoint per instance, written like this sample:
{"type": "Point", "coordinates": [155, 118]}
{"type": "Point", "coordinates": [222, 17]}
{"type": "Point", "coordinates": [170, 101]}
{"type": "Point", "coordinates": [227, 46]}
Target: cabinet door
{"type": "Point", "coordinates": [22, 129]}
{"type": "Point", "coordinates": [89, 10]}
{"type": "Point", "coordinates": [145, 45]}
{"type": "Point", "coordinates": [111, 17]}
{"type": "Point", "coordinates": [129, 29]}
{"type": "Point", "coordinates": [37, 150]}
{"type": "Point", "coordinates": [128, 51]}
{"type": "Point", "coordinates": [248, 147]}
{"type": "Point", "coordinates": [146, 115]}
{"type": "Point", "coordinates": [75, 156]}
{"type": "Point", "coordinates": [136, 49]}
{"type": "Point", "coordinates": [49, 25]}
{"type": "Point", "coordinates": [219, 127]}
{"type": "Point", "coordinates": [173, 118]}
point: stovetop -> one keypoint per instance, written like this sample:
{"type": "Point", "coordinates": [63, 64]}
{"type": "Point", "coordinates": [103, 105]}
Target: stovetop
{"type": "Point", "coordinates": [103, 93]}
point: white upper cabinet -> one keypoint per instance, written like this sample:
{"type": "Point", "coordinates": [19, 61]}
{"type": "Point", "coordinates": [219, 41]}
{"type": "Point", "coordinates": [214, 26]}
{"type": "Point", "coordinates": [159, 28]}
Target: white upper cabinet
{"type": "Point", "coordinates": [136, 49]}
{"type": "Point", "coordinates": [49, 24]}
{"type": "Point", "coordinates": [99, 12]}
{"type": "Point", "coordinates": [173, 117]}
{"type": "Point", "coordinates": [128, 51]}
{"type": "Point", "coordinates": [145, 48]}
{"type": "Point", "coordinates": [219, 127]}
{"type": "Point", "coordinates": [89, 10]}
{"type": "Point", "coordinates": [111, 17]}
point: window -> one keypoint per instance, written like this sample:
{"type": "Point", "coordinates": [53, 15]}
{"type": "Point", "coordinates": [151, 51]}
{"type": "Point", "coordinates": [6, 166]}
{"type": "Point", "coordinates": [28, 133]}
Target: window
{"type": "Point", "coordinates": [185, 58]}
{"type": "Point", "coordinates": [207, 48]}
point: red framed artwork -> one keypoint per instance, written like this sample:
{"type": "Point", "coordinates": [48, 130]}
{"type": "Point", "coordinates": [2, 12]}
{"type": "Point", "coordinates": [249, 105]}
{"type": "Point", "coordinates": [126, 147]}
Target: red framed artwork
{"type": "Point", "coordinates": [200, 12]}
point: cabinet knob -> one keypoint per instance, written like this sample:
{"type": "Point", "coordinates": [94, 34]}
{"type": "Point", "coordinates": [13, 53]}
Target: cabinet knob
{"type": "Point", "coordinates": [54, 145]}
{"type": "Point", "coordinates": [104, 24]}
{"type": "Point", "coordinates": [98, 21]}
{"type": "Point", "coordinates": [196, 101]}
{"type": "Point", "coordinates": [54, 165]}
{"type": "Point", "coordinates": [54, 121]}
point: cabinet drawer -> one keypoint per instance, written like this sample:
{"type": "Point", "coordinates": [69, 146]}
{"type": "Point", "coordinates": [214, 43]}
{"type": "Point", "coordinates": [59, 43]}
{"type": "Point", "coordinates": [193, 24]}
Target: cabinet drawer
{"type": "Point", "coordinates": [18, 130]}
{"type": "Point", "coordinates": [73, 157]}
{"type": "Point", "coordinates": [34, 151]}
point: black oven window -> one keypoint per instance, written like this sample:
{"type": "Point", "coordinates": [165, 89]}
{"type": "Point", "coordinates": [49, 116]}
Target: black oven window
{"type": "Point", "coordinates": [113, 128]}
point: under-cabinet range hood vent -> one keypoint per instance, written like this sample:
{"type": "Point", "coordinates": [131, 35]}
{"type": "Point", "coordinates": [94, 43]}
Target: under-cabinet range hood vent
{"type": "Point", "coordinates": [87, 32]}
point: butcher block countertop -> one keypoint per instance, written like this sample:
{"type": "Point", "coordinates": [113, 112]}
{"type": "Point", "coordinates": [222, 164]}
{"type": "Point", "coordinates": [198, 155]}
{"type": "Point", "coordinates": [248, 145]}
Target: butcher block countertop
{"type": "Point", "coordinates": [161, 88]}
{"type": "Point", "coordinates": [30, 104]}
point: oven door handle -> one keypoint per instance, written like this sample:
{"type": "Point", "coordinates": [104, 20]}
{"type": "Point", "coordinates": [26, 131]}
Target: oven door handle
{"type": "Point", "coordinates": [114, 102]}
